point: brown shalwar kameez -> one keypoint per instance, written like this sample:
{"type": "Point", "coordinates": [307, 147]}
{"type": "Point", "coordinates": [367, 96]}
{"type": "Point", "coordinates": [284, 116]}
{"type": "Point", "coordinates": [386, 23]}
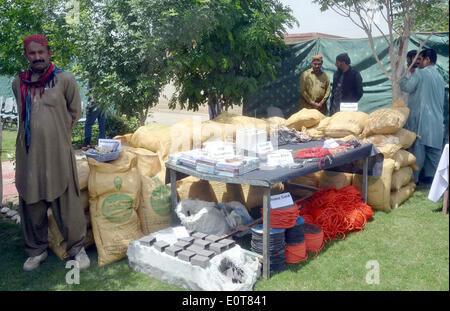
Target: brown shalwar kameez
{"type": "Point", "coordinates": [46, 175]}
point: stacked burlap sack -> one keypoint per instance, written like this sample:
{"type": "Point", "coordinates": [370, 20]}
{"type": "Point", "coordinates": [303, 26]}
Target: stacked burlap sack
{"type": "Point", "coordinates": [384, 129]}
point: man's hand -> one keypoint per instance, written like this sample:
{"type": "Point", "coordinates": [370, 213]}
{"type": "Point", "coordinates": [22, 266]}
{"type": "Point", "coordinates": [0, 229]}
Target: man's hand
{"type": "Point", "coordinates": [316, 105]}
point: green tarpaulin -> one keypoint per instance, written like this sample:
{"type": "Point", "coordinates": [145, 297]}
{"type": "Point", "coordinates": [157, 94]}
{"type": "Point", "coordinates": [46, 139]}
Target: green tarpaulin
{"type": "Point", "coordinates": [284, 92]}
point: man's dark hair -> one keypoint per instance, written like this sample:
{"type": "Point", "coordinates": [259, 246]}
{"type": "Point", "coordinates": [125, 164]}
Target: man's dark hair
{"type": "Point", "coordinates": [411, 54]}
{"type": "Point", "coordinates": [431, 54]}
{"type": "Point", "coordinates": [343, 58]}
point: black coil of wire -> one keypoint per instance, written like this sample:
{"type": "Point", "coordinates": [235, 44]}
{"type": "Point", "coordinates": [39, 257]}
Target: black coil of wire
{"type": "Point", "coordinates": [295, 235]}
{"type": "Point", "coordinates": [276, 248]}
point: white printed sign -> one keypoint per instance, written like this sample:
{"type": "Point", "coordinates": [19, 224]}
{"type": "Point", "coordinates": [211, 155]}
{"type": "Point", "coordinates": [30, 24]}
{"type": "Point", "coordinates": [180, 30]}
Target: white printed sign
{"type": "Point", "coordinates": [281, 200]}
{"type": "Point", "coordinates": [349, 107]}
{"type": "Point", "coordinates": [280, 157]}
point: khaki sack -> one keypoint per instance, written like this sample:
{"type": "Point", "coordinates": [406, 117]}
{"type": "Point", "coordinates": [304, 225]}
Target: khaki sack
{"type": "Point", "coordinates": [335, 179]}
{"type": "Point", "coordinates": [253, 195]}
{"type": "Point", "coordinates": [379, 188]}
{"type": "Point", "coordinates": [403, 158]}
{"type": "Point", "coordinates": [401, 177]}
{"type": "Point", "coordinates": [153, 137]}
{"type": "Point", "coordinates": [148, 162]}
{"type": "Point", "coordinates": [155, 210]}
{"type": "Point", "coordinates": [114, 190]}
{"type": "Point", "coordinates": [84, 198]}
{"type": "Point", "coordinates": [212, 130]}
{"type": "Point", "coordinates": [56, 240]}
{"type": "Point", "coordinates": [386, 121]}
{"type": "Point", "coordinates": [225, 192]}
{"type": "Point", "coordinates": [83, 174]}
{"type": "Point", "coordinates": [406, 138]}
{"type": "Point", "coordinates": [389, 150]}
{"type": "Point", "coordinates": [194, 188]}
{"type": "Point", "coordinates": [400, 196]}
{"type": "Point", "coordinates": [115, 224]}
{"type": "Point", "coordinates": [344, 123]}
{"type": "Point", "coordinates": [305, 117]}
{"type": "Point", "coordinates": [276, 122]}
{"type": "Point", "coordinates": [310, 180]}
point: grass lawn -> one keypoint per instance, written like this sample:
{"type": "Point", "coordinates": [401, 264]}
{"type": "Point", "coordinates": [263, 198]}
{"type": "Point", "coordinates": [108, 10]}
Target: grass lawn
{"type": "Point", "coordinates": [410, 244]}
{"type": "Point", "coordinates": [8, 144]}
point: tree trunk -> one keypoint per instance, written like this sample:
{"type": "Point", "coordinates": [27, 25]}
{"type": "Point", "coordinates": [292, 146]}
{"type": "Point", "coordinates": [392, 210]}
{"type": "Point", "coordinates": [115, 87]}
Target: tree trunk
{"type": "Point", "coordinates": [143, 116]}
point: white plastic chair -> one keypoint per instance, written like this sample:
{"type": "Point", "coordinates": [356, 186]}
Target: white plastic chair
{"type": "Point", "coordinates": [9, 113]}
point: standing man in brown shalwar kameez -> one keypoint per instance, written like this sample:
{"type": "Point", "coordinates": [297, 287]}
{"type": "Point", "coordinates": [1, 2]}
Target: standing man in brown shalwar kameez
{"type": "Point", "coordinates": [49, 106]}
{"type": "Point", "coordinates": [314, 86]}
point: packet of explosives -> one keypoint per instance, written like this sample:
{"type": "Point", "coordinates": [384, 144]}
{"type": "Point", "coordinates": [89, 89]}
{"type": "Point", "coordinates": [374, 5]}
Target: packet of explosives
{"type": "Point", "coordinates": [109, 145]}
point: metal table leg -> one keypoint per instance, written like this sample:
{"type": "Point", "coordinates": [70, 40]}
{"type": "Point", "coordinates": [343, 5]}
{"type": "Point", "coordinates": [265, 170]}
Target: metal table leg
{"type": "Point", "coordinates": [266, 232]}
{"type": "Point", "coordinates": [364, 181]}
{"type": "Point", "coordinates": [173, 194]}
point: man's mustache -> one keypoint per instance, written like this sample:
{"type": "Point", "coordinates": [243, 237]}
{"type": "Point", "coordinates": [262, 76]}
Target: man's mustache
{"type": "Point", "coordinates": [38, 61]}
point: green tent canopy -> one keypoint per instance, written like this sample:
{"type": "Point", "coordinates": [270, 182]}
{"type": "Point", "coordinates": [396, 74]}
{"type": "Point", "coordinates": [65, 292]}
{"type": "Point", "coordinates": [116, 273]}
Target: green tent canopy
{"type": "Point", "coordinates": [284, 92]}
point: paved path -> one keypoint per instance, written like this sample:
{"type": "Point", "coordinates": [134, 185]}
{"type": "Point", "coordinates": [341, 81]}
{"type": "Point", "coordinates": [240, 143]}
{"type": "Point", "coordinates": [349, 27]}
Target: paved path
{"type": "Point", "coordinates": [9, 188]}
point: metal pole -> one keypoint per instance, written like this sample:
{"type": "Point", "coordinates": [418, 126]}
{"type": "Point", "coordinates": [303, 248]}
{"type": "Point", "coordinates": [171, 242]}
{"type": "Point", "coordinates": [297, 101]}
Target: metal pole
{"type": "Point", "coordinates": [266, 232]}
{"type": "Point", "coordinates": [173, 195]}
{"type": "Point", "coordinates": [364, 181]}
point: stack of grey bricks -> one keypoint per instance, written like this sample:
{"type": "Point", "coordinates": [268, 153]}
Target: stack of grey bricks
{"type": "Point", "coordinates": [198, 248]}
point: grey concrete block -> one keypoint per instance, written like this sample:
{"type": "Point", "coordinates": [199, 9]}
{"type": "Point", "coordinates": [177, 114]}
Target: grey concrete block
{"type": "Point", "coordinates": [182, 244]}
{"type": "Point", "coordinates": [217, 247]}
{"type": "Point", "coordinates": [206, 253]}
{"type": "Point", "coordinates": [173, 250]}
{"type": "Point", "coordinates": [202, 243]}
{"type": "Point", "coordinates": [189, 239]}
{"type": "Point", "coordinates": [195, 248]}
{"type": "Point", "coordinates": [186, 255]}
{"type": "Point", "coordinates": [228, 242]}
{"type": "Point", "coordinates": [199, 235]}
{"type": "Point", "coordinates": [199, 260]}
{"type": "Point", "coordinates": [147, 240]}
{"type": "Point", "coordinates": [161, 245]}
{"type": "Point", "coordinates": [212, 238]}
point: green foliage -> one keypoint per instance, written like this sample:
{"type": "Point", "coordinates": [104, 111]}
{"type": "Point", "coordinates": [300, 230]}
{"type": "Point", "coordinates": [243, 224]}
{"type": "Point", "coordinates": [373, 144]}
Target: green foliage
{"type": "Point", "coordinates": [229, 62]}
{"type": "Point", "coordinates": [21, 18]}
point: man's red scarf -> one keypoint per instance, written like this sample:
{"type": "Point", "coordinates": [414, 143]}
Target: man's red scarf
{"type": "Point", "coordinates": [26, 84]}
{"type": "Point", "coordinates": [28, 91]}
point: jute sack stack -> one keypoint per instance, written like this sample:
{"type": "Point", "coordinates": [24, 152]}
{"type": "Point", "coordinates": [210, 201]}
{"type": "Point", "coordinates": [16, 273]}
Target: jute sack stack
{"type": "Point", "coordinates": [335, 179]}
{"type": "Point", "coordinates": [386, 120]}
{"type": "Point", "coordinates": [310, 180]}
{"type": "Point", "coordinates": [404, 158]}
{"type": "Point", "coordinates": [401, 178]}
{"type": "Point", "coordinates": [400, 196]}
{"type": "Point", "coordinates": [304, 118]}
{"type": "Point", "coordinates": [83, 174]}
{"type": "Point", "coordinates": [192, 188]}
{"type": "Point", "coordinates": [253, 195]}
{"type": "Point", "coordinates": [154, 209]}
{"type": "Point", "coordinates": [379, 188]}
{"type": "Point", "coordinates": [344, 123]}
{"type": "Point", "coordinates": [114, 192]}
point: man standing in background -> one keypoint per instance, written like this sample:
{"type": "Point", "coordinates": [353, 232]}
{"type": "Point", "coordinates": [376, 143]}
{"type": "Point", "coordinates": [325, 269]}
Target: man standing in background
{"type": "Point", "coordinates": [314, 86]}
{"type": "Point", "coordinates": [347, 84]}
{"type": "Point", "coordinates": [426, 116]}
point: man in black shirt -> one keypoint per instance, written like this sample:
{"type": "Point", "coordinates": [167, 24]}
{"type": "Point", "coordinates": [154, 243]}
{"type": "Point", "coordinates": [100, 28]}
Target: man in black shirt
{"type": "Point", "coordinates": [347, 84]}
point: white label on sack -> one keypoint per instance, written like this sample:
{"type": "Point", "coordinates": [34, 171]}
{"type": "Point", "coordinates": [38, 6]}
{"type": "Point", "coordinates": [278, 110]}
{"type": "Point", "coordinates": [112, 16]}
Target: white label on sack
{"type": "Point", "coordinates": [349, 107]}
{"type": "Point", "coordinates": [281, 200]}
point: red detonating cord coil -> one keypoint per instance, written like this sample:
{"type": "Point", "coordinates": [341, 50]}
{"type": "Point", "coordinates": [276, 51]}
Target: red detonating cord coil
{"type": "Point", "coordinates": [296, 253]}
{"type": "Point", "coordinates": [283, 218]}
